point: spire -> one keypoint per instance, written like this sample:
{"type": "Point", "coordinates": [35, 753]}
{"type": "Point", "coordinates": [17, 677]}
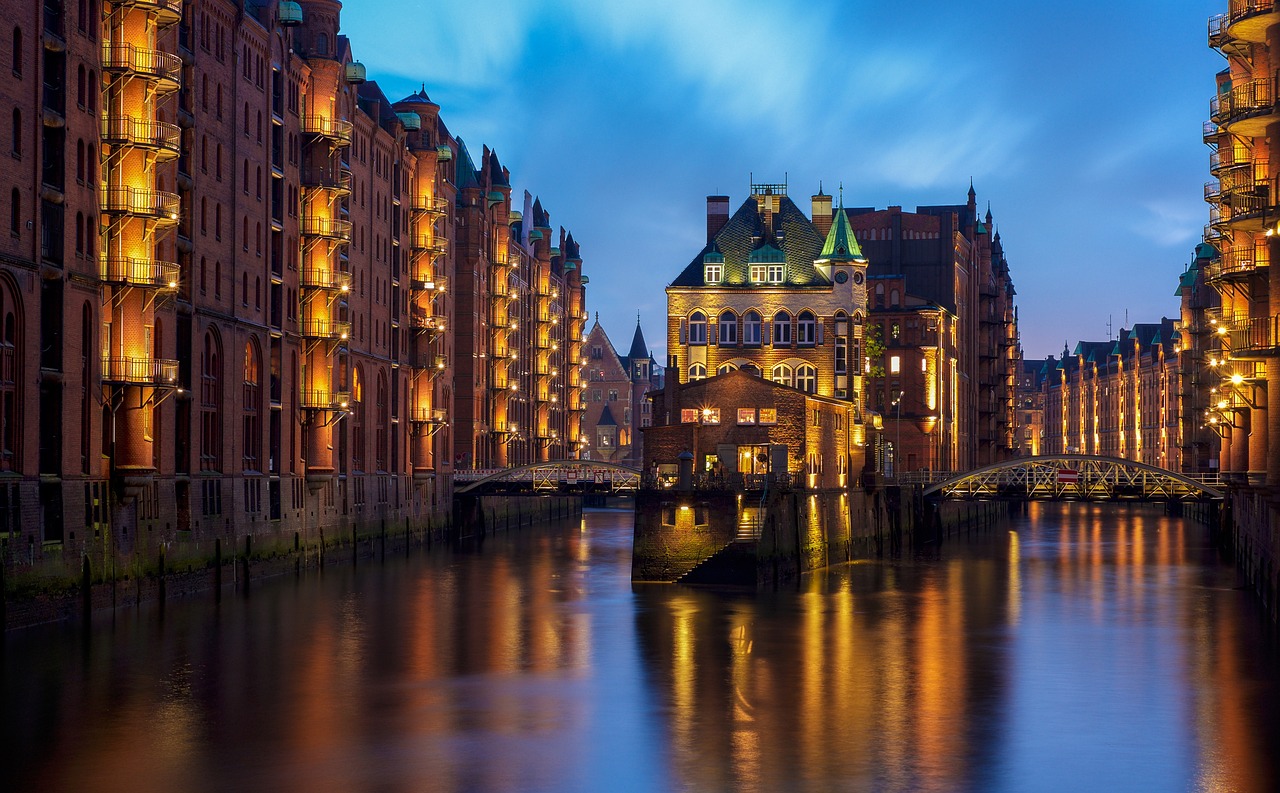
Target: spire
{"type": "Point", "coordinates": [639, 350]}
{"type": "Point", "coordinates": [841, 244]}
{"type": "Point", "coordinates": [988, 213]}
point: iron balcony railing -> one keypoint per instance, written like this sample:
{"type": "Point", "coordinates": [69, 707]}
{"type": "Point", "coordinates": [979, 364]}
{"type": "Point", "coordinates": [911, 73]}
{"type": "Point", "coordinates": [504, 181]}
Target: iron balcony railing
{"type": "Point", "coordinates": [1209, 132]}
{"type": "Point", "coordinates": [1227, 159]}
{"type": "Point", "coordinates": [435, 283]}
{"type": "Point", "coordinates": [324, 399]}
{"type": "Point", "coordinates": [429, 242]}
{"type": "Point", "coordinates": [325, 329]}
{"type": "Point", "coordinates": [1243, 100]}
{"type": "Point", "coordinates": [335, 179]}
{"type": "Point", "coordinates": [316, 278]}
{"type": "Point", "coordinates": [162, 68]}
{"type": "Point", "coordinates": [128, 370]}
{"type": "Point", "coordinates": [329, 228]}
{"type": "Point", "coordinates": [420, 320]}
{"type": "Point", "coordinates": [1256, 335]}
{"type": "Point", "coordinates": [160, 205]}
{"type": "Point", "coordinates": [432, 205]}
{"type": "Point", "coordinates": [419, 415]}
{"type": "Point", "coordinates": [139, 272]}
{"type": "Point", "coordinates": [161, 137]}
{"type": "Point", "coordinates": [327, 127]}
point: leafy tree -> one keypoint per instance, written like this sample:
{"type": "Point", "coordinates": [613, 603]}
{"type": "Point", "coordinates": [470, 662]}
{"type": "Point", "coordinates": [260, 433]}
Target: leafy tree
{"type": "Point", "coordinates": [873, 348]}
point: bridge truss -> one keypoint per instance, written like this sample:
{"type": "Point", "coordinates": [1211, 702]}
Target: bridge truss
{"type": "Point", "coordinates": [576, 476]}
{"type": "Point", "coordinates": [1075, 476]}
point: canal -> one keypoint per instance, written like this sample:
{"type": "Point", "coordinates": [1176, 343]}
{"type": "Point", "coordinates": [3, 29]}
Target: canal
{"type": "Point", "coordinates": [1083, 648]}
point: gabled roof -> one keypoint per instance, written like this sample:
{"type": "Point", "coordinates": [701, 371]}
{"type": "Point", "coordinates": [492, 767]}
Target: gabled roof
{"type": "Point", "coordinates": [466, 168]}
{"type": "Point", "coordinates": [744, 239]}
{"type": "Point", "coordinates": [841, 244]}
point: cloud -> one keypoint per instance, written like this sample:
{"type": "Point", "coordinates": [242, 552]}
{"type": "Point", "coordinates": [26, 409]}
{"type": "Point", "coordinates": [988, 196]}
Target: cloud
{"type": "Point", "coordinates": [1171, 223]}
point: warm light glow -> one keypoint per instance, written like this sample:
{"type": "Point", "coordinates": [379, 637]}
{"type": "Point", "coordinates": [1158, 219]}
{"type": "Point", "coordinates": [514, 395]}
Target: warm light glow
{"type": "Point", "coordinates": [1237, 379]}
{"type": "Point", "coordinates": [1222, 330]}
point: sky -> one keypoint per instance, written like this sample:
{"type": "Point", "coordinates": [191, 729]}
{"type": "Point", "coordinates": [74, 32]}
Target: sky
{"type": "Point", "coordinates": [1080, 123]}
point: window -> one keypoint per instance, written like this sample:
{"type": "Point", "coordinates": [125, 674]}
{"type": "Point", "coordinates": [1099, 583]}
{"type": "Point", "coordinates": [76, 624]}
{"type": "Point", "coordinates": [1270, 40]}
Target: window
{"type": "Point", "coordinates": [782, 374]}
{"type": "Point", "coordinates": [17, 52]}
{"type": "Point", "coordinates": [210, 405]}
{"type": "Point", "coordinates": [713, 273]}
{"type": "Point", "coordinates": [842, 354]}
{"type": "Point", "coordinates": [924, 364]}
{"type": "Point", "coordinates": [697, 372]}
{"type": "Point", "coordinates": [806, 329]}
{"type": "Point", "coordinates": [728, 328]}
{"type": "Point", "coordinates": [596, 395]}
{"type": "Point", "coordinates": [775, 273]}
{"type": "Point", "coordinates": [16, 148]}
{"type": "Point", "coordinates": [895, 364]}
{"type": "Point", "coordinates": [758, 273]}
{"type": "Point", "coordinates": [15, 212]}
{"type": "Point", "coordinates": [751, 328]}
{"type": "Point", "coordinates": [251, 435]}
{"type": "Point", "coordinates": [613, 395]}
{"type": "Point", "coordinates": [698, 328]}
{"type": "Point", "coordinates": [807, 378]}
{"type": "Point", "coordinates": [781, 328]}
{"type": "Point", "coordinates": [10, 377]}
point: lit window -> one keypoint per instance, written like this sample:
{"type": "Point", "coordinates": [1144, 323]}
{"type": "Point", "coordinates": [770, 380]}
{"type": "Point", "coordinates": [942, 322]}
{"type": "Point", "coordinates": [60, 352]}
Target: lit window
{"type": "Point", "coordinates": [781, 328]}
{"type": "Point", "coordinates": [782, 374]}
{"type": "Point", "coordinates": [758, 273]}
{"type": "Point", "coordinates": [924, 364]}
{"type": "Point", "coordinates": [728, 328]}
{"type": "Point", "coordinates": [751, 328]}
{"type": "Point", "coordinates": [775, 273]}
{"type": "Point", "coordinates": [714, 273]}
{"type": "Point", "coordinates": [697, 372]}
{"type": "Point", "coordinates": [806, 333]}
{"type": "Point", "coordinates": [895, 364]}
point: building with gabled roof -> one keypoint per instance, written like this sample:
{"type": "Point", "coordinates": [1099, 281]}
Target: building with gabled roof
{"type": "Point", "coordinates": [615, 407]}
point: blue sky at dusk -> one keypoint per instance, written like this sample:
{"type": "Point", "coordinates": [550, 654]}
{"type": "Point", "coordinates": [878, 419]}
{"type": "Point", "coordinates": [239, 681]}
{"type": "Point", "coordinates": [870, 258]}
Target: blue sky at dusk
{"type": "Point", "coordinates": [1079, 122]}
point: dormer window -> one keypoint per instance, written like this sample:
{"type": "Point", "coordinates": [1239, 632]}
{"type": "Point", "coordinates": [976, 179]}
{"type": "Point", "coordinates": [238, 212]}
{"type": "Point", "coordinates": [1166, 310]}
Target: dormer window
{"type": "Point", "coordinates": [714, 273]}
{"type": "Point", "coordinates": [758, 273]}
{"type": "Point", "coordinates": [776, 273]}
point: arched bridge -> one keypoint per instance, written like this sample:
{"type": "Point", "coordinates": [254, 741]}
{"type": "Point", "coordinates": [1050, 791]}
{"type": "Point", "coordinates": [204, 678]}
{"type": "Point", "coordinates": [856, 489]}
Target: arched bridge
{"type": "Point", "coordinates": [1074, 476]}
{"type": "Point", "coordinates": [579, 476]}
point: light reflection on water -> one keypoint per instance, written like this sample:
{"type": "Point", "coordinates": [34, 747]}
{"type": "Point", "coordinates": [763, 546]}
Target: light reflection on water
{"type": "Point", "coordinates": [1084, 648]}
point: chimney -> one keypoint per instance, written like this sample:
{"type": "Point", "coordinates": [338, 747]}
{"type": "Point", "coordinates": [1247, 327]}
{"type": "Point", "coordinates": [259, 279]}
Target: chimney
{"type": "Point", "coordinates": [717, 214]}
{"type": "Point", "coordinates": [822, 216]}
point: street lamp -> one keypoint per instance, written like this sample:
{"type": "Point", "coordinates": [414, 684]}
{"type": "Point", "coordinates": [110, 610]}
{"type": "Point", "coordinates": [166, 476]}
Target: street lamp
{"type": "Point", "coordinates": [897, 422]}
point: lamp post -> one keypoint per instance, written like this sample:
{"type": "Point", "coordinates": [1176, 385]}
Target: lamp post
{"type": "Point", "coordinates": [897, 423]}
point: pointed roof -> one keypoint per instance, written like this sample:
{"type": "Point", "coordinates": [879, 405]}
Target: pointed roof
{"type": "Point", "coordinates": [466, 168]}
{"type": "Point", "coordinates": [419, 98]}
{"type": "Point", "coordinates": [495, 171]}
{"type": "Point", "coordinates": [639, 350]}
{"type": "Point", "coordinates": [842, 244]}
{"type": "Point", "coordinates": [791, 237]}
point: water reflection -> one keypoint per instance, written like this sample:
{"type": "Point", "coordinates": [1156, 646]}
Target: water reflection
{"type": "Point", "coordinates": [1085, 648]}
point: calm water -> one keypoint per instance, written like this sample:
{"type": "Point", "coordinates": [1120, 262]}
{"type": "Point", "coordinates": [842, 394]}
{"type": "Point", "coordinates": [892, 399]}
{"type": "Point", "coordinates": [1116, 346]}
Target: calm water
{"type": "Point", "coordinates": [1089, 649]}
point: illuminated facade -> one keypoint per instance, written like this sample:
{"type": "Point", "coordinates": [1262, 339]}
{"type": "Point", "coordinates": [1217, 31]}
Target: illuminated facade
{"type": "Point", "coordinates": [776, 294]}
{"type": "Point", "coordinates": [1244, 205]}
{"type": "Point", "coordinates": [1031, 404]}
{"type": "Point", "coordinates": [614, 397]}
{"type": "Point", "coordinates": [948, 257]}
{"type": "Point", "coordinates": [237, 281]}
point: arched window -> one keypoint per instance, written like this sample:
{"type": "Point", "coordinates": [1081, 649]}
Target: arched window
{"type": "Point", "coordinates": [782, 374]}
{"type": "Point", "coordinates": [781, 329]}
{"type": "Point", "coordinates": [211, 404]}
{"type": "Point", "coordinates": [80, 86]}
{"type": "Point", "coordinates": [80, 161]}
{"type": "Point", "coordinates": [91, 165]}
{"type": "Point", "coordinates": [15, 212]}
{"type": "Point", "coordinates": [92, 100]}
{"type": "Point", "coordinates": [356, 417]}
{"type": "Point", "coordinates": [86, 376]}
{"type": "Point", "coordinates": [10, 377]}
{"type": "Point", "coordinates": [806, 329]}
{"type": "Point", "coordinates": [697, 372]}
{"type": "Point", "coordinates": [751, 328]}
{"type": "Point", "coordinates": [17, 51]}
{"type": "Point", "coordinates": [894, 298]}
{"type": "Point", "coordinates": [728, 328]}
{"type": "Point", "coordinates": [17, 133]}
{"type": "Point", "coordinates": [251, 433]}
{"type": "Point", "coordinates": [807, 378]}
{"type": "Point", "coordinates": [79, 234]}
{"type": "Point", "coordinates": [322, 44]}
{"type": "Point", "coordinates": [90, 235]}
{"type": "Point", "coordinates": [697, 328]}
{"type": "Point", "coordinates": [244, 177]}
{"type": "Point", "coordinates": [725, 368]}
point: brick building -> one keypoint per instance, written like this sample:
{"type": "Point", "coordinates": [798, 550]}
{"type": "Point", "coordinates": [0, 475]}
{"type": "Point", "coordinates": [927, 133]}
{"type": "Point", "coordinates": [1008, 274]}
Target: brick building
{"type": "Point", "coordinates": [616, 408]}
{"type": "Point", "coordinates": [961, 415]}
{"type": "Point", "coordinates": [741, 428]}
{"type": "Point", "coordinates": [240, 285]}
{"type": "Point", "coordinates": [776, 294]}
{"type": "Point", "coordinates": [1031, 426]}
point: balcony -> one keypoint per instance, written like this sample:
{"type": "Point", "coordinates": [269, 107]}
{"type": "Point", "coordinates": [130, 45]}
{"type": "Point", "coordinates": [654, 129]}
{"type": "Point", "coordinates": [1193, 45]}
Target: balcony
{"type": "Point", "coordinates": [158, 205]}
{"type": "Point", "coordinates": [160, 137]}
{"type": "Point", "coordinates": [435, 283]}
{"type": "Point", "coordinates": [1257, 337]}
{"type": "Point", "coordinates": [1210, 132]}
{"type": "Point", "coordinates": [327, 228]}
{"type": "Point", "coordinates": [336, 180]}
{"type": "Point", "coordinates": [161, 68]}
{"type": "Point", "coordinates": [427, 416]}
{"type": "Point", "coordinates": [168, 12]}
{"type": "Point", "coordinates": [1227, 159]}
{"type": "Point", "coordinates": [429, 242]}
{"type": "Point", "coordinates": [327, 329]}
{"type": "Point", "coordinates": [1245, 109]}
{"type": "Point", "coordinates": [157, 372]}
{"type": "Point", "coordinates": [332, 129]}
{"type": "Point", "coordinates": [1245, 20]}
{"type": "Point", "coordinates": [1237, 263]}
{"type": "Point", "coordinates": [321, 399]}
{"type": "Point", "coordinates": [331, 280]}
{"type": "Point", "coordinates": [431, 323]}
{"type": "Point", "coordinates": [432, 205]}
{"type": "Point", "coordinates": [139, 272]}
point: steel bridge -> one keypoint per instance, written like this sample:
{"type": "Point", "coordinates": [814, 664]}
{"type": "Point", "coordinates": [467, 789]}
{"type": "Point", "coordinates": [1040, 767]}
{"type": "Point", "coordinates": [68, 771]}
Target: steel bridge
{"type": "Point", "coordinates": [557, 476]}
{"type": "Point", "coordinates": [1078, 477]}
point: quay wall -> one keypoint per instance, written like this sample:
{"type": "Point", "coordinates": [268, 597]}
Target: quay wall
{"type": "Point", "coordinates": [178, 570]}
{"type": "Point", "coordinates": [1250, 528]}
